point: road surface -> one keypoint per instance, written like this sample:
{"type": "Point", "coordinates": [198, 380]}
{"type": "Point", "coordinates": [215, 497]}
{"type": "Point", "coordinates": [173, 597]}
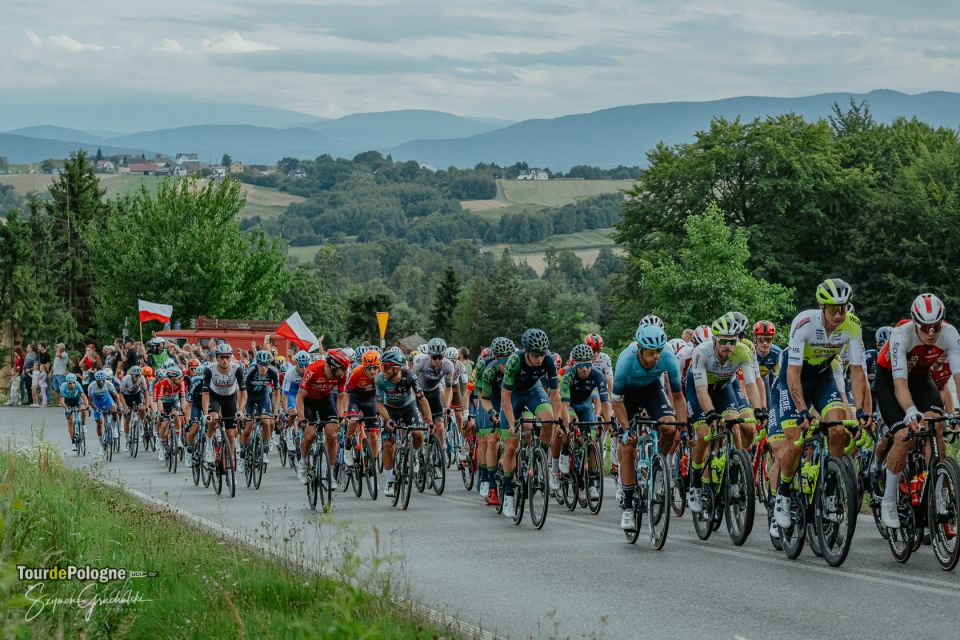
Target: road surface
{"type": "Point", "coordinates": [577, 577]}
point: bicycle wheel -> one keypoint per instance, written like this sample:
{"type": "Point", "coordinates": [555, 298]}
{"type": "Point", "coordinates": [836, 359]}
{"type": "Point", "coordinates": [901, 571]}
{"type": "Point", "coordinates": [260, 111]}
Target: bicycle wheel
{"type": "Point", "coordinates": [944, 488]}
{"type": "Point", "coordinates": [357, 473]}
{"type": "Point", "coordinates": [369, 471]}
{"type": "Point", "coordinates": [258, 463]}
{"type": "Point", "coordinates": [134, 439]}
{"type": "Point", "coordinates": [437, 467]}
{"type": "Point", "coordinates": [380, 462]}
{"type": "Point", "coordinates": [229, 467]}
{"type": "Point", "coordinates": [468, 469]}
{"type": "Point", "coordinates": [342, 475]}
{"type": "Point", "coordinates": [567, 496]}
{"type": "Point", "coordinates": [792, 537]}
{"type": "Point", "coordinates": [639, 504]}
{"type": "Point", "coordinates": [499, 483]}
{"type": "Point", "coordinates": [740, 502]}
{"type": "Point", "coordinates": [833, 511]}
{"type": "Point", "coordinates": [657, 502]}
{"type": "Point", "coordinates": [407, 485]}
{"type": "Point", "coordinates": [82, 432]}
{"type": "Point", "coordinates": [678, 503]}
{"type": "Point", "coordinates": [520, 488]}
{"type": "Point", "coordinates": [115, 434]}
{"type": "Point", "coordinates": [703, 521]}
{"type": "Point", "coordinates": [167, 448]}
{"type": "Point", "coordinates": [420, 475]}
{"type": "Point", "coordinates": [594, 478]}
{"type": "Point", "coordinates": [765, 490]}
{"type": "Point", "coordinates": [313, 483]}
{"type": "Point", "coordinates": [175, 453]}
{"type": "Point", "coordinates": [217, 472]}
{"type": "Point", "coordinates": [814, 539]}
{"type": "Point", "coordinates": [196, 463]}
{"type": "Point", "coordinates": [107, 444]}
{"type": "Point", "coordinates": [538, 485]}
{"type": "Point", "coordinates": [850, 467]}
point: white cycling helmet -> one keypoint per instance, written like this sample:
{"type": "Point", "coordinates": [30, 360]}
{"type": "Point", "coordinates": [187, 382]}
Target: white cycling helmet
{"type": "Point", "coordinates": [927, 309]}
{"type": "Point", "coordinates": [676, 345]}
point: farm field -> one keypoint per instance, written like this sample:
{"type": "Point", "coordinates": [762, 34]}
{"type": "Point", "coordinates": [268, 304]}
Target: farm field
{"type": "Point", "coordinates": [556, 193]}
{"type": "Point", "coordinates": [586, 244]}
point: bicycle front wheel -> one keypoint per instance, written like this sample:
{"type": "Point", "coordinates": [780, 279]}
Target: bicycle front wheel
{"type": "Point", "coordinates": [258, 462]}
{"type": "Point", "coordinates": [792, 537]}
{"type": "Point", "coordinates": [943, 512]}
{"type": "Point", "coordinates": [740, 501]}
{"type": "Point", "coordinates": [657, 502]}
{"type": "Point", "coordinates": [437, 466]}
{"type": "Point", "coordinates": [407, 477]}
{"type": "Point", "coordinates": [538, 488]}
{"type": "Point", "coordinates": [134, 437]}
{"type": "Point", "coordinates": [594, 478]}
{"type": "Point", "coordinates": [369, 471]}
{"type": "Point", "coordinates": [834, 512]}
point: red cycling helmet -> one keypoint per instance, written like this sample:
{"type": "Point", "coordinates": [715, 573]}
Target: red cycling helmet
{"type": "Point", "coordinates": [337, 358]}
{"type": "Point", "coordinates": [485, 352]}
{"type": "Point", "coordinates": [594, 341]}
{"type": "Point", "coordinates": [764, 328]}
{"type": "Point", "coordinates": [558, 360]}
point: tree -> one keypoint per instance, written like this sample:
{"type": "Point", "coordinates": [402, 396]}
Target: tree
{"type": "Point", "coordinates": [490, 307]}
{"type": "Point", "coordinates": [362, 302]}
{"type": "Point", "coordinates": [445, 299]}
{"type": "Point", "coordinates": [188, 251]}
{"type": "Point", "coordinates": [705, 277]}
{"type": "Point", "coordinates": [226, 160]}
{"type": "Point", "coordinates": [99, 154]}
{"type": "Point", "coordinates": [4, 164]}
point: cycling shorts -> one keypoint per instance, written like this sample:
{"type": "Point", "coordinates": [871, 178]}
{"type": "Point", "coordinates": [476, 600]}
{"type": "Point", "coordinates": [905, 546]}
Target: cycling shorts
{"type": "Point", "coordinates": [406, 415]}
{"type": "Point", "coordinates": [359, 405]}
{"type": "Point", "coordinates": [652, 399]}
{"type": "Point", "coordinates": [224, 406]}
{"type": "Point", "coordinates": [533, 399]}
{"type": "Point", "coordinates": [101, 404]}
{"type": "Point", "coordinates": [584, 411]}
{"type": "Point", "coordinates": [292, 399]}
{"type": "Point", "coordinates": [923, 391]}
{"type": "Point", "coordinates": [721, 395]}
{"type": "Point", "coordinates": [259, 405]}
{"type": "Point", "coordinates": [320, 409]}
{"type": "Point", "coordinates": [133, 400]}
{"type": "Point", "coordinates": [435, 400]}
{"type": "Point", "coordinates": [71, 404]}
{"type": "Point", "coordinates": [819, 390]}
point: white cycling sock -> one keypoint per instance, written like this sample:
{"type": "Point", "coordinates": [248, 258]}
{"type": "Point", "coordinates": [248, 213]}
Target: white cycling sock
{"type": "Point", "coordinates": [555, 465]}
{"type": "Point", "coordinates": [892, 487]}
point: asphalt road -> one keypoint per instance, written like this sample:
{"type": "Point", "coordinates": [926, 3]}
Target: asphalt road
{"type": "Point", "coordinates": [577, 577]}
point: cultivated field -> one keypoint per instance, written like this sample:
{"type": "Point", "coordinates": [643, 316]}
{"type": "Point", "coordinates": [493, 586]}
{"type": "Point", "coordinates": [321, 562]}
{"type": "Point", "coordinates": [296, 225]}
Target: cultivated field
{"type": "Point", "coordinates": [586, 244]}
{"type": "Point", "coordinates": [555, 193]}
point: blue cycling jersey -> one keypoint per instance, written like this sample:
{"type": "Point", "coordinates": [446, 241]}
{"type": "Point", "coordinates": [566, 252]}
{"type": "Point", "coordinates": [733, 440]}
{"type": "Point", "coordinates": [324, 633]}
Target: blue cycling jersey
{"type": "Point", "coordinates": [630, 374]}
{"type": "Point", "coordinates": [768, 363]}
{"type": "Point", "coordinates": [69, 394]}
{"type": "Point", "coordinates": [96, 392]}
{"type": "Point", "coordinates": [261, 383]}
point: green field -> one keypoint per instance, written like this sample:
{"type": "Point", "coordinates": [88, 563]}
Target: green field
{"type": "Point", "coordinates": [556, 193]}
{"type": "Point", "coordinates": [586, 244]}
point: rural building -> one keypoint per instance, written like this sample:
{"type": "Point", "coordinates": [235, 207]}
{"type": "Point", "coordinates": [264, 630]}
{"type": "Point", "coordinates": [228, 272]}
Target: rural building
{"type": "Point", "coordinates": [236, 167]}
{"type": "Point", "coordinates": [144, 168]}
{"type": "Point", "coordinates": [179, 170]}
{"type": "Point", "coordinates": [183, 158]}
{"type": "Point", "coordinates": [105, 166]}
{"type": "Point", "coordinates": [533, 174]}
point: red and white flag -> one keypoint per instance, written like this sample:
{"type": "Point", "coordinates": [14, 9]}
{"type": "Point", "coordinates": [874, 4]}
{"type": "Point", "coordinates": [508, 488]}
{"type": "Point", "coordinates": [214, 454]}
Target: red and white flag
{"type": "Point", "coordinates": [154, 311]}
{"type": "Point", "coordinates": [297, 332]}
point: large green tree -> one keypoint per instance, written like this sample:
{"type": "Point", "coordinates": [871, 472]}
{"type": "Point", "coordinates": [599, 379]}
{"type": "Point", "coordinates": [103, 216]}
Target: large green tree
{"type": "Point", "coordinates": [445, 298]}
{"type": "Point", "coordinates": [490, 307]}
{"type": "Point", "coordinates": [182, 245]}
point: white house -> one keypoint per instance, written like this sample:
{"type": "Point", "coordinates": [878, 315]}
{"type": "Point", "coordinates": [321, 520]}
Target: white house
{"type": "Point", "coordinates": [179, 170]}
{"type": "Point", "coordinates": [533, 174]}
{"type": "Point", "coordinates": [186, 157]}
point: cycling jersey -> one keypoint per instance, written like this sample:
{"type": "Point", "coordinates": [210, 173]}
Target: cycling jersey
{"type": "Point", "coordinates": [317, 385]}
{"type": "Point", "coordinates": [521, 377]}
{"type": "Point", "coordinates": [398, 394]}
{"type": "Point", "coordinates": [492, 385]}
{"type": "Point", "coordinates": [224, 383]}
{"type": "Point", "coordinates": [603, 364]}
{"type": "Point", "coordinates": [431, 377]}
{"type": "Point", "coordinates": [130, 388]}
{"type": "Point", "coordinates": [753, 352]}
{"type": "Point", "coordinates": [168, 391]}
{"type": "Point", "coordinates": [98, 393]}
{"type": "Point", "coordinates": [195, 390]}
{"type": "Point", "coordinates": [261, 384]}
{"type": "Point", "coordinates": [361, 384]}
{"type": "Point", "coordinates": [768, 363]}
{"type": "Point", "coordinates": [631, 375]}
{"type": "Point", "coordinates": [905, 355]}
{"type": "Point", "coordinates": [575, 390]}
{"type": "Point", "coordinates": [813, 349]}
{"type": "Point", "coordinates": [67, 393]}
{"type": "Point", "coordinates": [706, 368]}
{"type": "Point", "coordinates": [870, 364]}
{"type": "Point", "coordinates": [291, 379]}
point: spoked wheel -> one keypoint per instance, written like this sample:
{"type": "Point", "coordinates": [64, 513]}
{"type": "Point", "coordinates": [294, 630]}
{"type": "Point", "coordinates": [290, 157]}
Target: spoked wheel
{"type": "Point", "coordinates": [342, 474]}
{"type": "Point", "coordinates": [703, 521]}
{"type": "Point", "coordinates": [901, 541]}
{"type": "Point", "coordinates": [521, 489]}
{"type": "Point", "coordinates": [834, 511]}
{"type": "Point", "coordinates": [108, 449]}
{"type": "Point", "coordinates": [146, 438]}
{"type": "Point", "coordinates": [406, 483]}
{"type": "Point", "coordinates": [325, 474]}
{"type": "Point", "coordinates": [313, 485]}
{"type": "Point", "coordinates": [134, 437]}
{"type": "Point", "coordinates": [196, 462]}
{"type": "Point", "coordinates": [944, 518]}
{"type": "Point", "coordinates": [437, 468]}
{"type": "Point", "coordinates": [765, 489]}
{"type": "Point", "coordinates": [420, 465]}
{"type": "Point", "coordinates": [739, 501]}
{"type": "Point", "coordinates": [356, 472]}
{"type": "Point", "coordinates": [639, 505]}
{"type": "Point", "coordinates": [115, 434]}
{"type": "Point", "coordinates": [594, 478]}
{"type": "Point", "coordinates": [216, 474]}
{"type": "Point", "coordinates": [792, 538]}
{"type": "Point", "coordinates": [81, 441]}
{"type": "Point", "coordinates": [468, 469]}
{"type": "Point", "coordinates": [567, 495]}
{"type": "Point", "coordinates": [856, 497]}
{"type": "Point", "coordinates": [282, 450]}
{"type": "Point", "coordinates": [229, 467]}
{"type": "Point", "coordinates": [658, 502]}
{"type": "Point", "coordinates": [814, 539]}
{"type": "Point", "coordinates": [370, 471]}
{"type": "Point", "coordinates": [258, 462]}
{"type": "Point", "coordinates": [538, 486]}
{"type": "Point", "coordinates": [176, 453]}
{"type": "Point", "coordinates": [247, 463]}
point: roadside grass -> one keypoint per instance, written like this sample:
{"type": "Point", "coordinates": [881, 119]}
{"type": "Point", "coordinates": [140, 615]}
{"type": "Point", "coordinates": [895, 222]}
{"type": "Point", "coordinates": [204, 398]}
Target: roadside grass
{"type": "Point", "coordinates": [206, 588]}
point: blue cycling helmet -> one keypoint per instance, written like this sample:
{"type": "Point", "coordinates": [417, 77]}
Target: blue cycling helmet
{"type": "Point", "coordinates": [71, 377]}
{"type": "Point", "coordinates": [650, 336]}
{"type": "Point", "coordinates": [100, 376]}
{"type": "Point", "coordinates": [264, 357]}
{"type": "Point", "coordinates": [883, 335]}
{"type": "Point", "coordinates": [302, 358]}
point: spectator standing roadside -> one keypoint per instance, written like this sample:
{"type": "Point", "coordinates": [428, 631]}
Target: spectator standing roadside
{"type": "Point", "coordinates": [35, 384]}
{"type": "Point", "coordinates": [14, 399]}
{"type": "Point", "coordinates": [43, 356]}
{"type": "Point", "coordinates": [59, 369]}
{"type": "Point", "coordinates": [18, 359]}
{"type": "Point", "coordinates": [132, 356]}
{"type": "Point", "coordinates": [26, 380]}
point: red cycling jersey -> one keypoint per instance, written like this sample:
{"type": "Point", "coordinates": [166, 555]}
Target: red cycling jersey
{"type": "Point", "coordinates": [317, 385]}
{"type": "Point", "coordinates": [167, 391]}
{"type": "Point", "coordinates": [360, 383]}
{"type": "Point", "coordinates": [920, 358]}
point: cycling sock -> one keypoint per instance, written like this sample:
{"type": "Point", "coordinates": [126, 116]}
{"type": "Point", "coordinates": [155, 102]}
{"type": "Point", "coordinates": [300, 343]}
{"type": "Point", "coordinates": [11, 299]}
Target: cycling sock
{"type": "Point", "coordinates": [696, 478]}
{"type": "Point", "coordinates": [507, 483]}
{"type": "Point", "coordinates": [628, 496]}
{"type": "Point", "coordinates": [892, 487]}
{"type": "Point", "coordinates": [555, 465]}
{"type": "Point", "coordinates": [783, 488]}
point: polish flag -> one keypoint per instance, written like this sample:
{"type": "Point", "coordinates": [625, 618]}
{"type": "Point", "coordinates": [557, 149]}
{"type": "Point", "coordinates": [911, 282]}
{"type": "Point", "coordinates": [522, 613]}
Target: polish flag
{"type": "Point", "coordinates": [296, 331]}
{"type": "Point", "coordinates": [154, 311]}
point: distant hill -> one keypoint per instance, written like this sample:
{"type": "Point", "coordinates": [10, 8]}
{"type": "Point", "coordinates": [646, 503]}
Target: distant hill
{"type": "Point", "coordinates": [247, 143]}
{"type": "Point", "coordinates": [135, 116]}
{"type": "Point", "coordinates": [50, 132]}
{"type": "Point", "coordinates": [623, 135]}
{"type": "Point", "coordinates": [23, 149]}
{"type": "Point", "coordinates": [381, 130]}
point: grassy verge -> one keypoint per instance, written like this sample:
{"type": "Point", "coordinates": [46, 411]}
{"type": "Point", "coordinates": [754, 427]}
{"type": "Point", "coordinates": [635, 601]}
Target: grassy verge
{"type": "Point", "coordinates": [206, 587]}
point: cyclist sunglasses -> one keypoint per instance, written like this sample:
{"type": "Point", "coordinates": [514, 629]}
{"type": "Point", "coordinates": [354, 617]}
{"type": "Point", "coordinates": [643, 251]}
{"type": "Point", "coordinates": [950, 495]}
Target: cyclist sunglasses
{"type": "Point", "coordinates": [931, 328]}
{"type": "Point", "coordinates": [728, 342]}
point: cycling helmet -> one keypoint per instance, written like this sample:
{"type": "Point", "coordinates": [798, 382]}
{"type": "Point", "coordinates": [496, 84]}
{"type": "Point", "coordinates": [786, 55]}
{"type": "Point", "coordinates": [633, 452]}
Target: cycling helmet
{"type": "Point", "coordinates": [391, 350]}
{"type": "Point", "coordinates": [376, 348]}
{"type": "Point", "coordinates": [594, 341]}
{"type": "Point", "coordinates": [362, 349]}
{"type": "Point", "coordinates": [851, 308]}
{"type": "Point", "coordinates": [100, 376]}
{"type": "Point", "coordinates": [223, 349]}
{"type": "Point", "coordinates": [350, 353]}
{"type": "Point", "coordinates": [650, 336]}
{"type": "Point", "coordinates": [338, 359]}
{"type": "Point", "coordinates": [436, 347]}
{"type": "Point", "coordinates": [147, 371]}
{"type": "Point", "coordinates": [264, 357]}
{"type": "Point", "coordinates": [725, 325]}
{"type": "Point", "coordinates": [107, 371]}
{"type": "Point", "coordinates": [194, 363]}
{"type": "Point", "coordinates": [764, 328]}
{"type": "Point", "coordinates": [676, 345]}
{"type": "Point", "coordinates": [370, 359]}
{"type": "Point", "coordinates": [71, 377]}
{"type": "Point", "coordinates": [502, 347]}
{"type": "Point", "coordinates": [535, 340]}
{"type": "Point", "coordinates": [701, 333]}
{"type": "Point", "coordinates": [557, 360]}
{"type": "Point", "coordinates": [927, 309]}
{"type": "Point", "coordinates": [423, 348]}
{"type": "Point", "coordinates": [485, 353]}
{"type": "Point", "coordinates": [391, 357]}
{"type": "Point", "coordinates": [882, 335]}
{"type": "Point", "coordinates": [302, 359]}
{"type": "Point", "coordinates": [741, 322]}
{"type": "Point", "coordinates": [452, 353]}
{"type": "Point", "coordinates": [583, 352]}
{"type": "Point", "coordinates": [174, 372]}
{"type": "Point", "coordinates": [136, 371]}
{"type": "Point", "coordinates": [651, 319]}
{"type": "Point", "coordinates": [833, 291]}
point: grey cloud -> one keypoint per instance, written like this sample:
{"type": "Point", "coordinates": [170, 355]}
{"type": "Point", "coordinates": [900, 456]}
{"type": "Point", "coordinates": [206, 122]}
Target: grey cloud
{"type": "Point", "coordinates": [338, 62]}
{"type": "Point", "coordinates": [576, 57]}
{"type": "Point", "coordinates": [942, 53]}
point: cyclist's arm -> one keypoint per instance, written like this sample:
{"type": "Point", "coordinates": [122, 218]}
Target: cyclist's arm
{"type": "Point", "coordinates": [301, 394]}
{"type": "Point", "coordinates": [619, 410]}
{"type": "Point", "coordinates": [343, 402]}
{"type": "Point", "coordinates": [425, 409]}
{"type": "Point", "coordinates": [795, 387]}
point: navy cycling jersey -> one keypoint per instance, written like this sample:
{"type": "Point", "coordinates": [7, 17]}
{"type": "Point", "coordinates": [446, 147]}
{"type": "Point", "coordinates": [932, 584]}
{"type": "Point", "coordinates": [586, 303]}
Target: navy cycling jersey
{"type": "Point", "coordinates": [260, 384]}
{"type": "Point", "coordinates": [768, 363]}
{"type": "Point", "coordinates": [871, 362]}
{"type": "Point", "coordinates": [520, 377]}
{"type": "Point", "coordinates": [576, 390]}
{"type": "Point", "coordinates": [195, 389]}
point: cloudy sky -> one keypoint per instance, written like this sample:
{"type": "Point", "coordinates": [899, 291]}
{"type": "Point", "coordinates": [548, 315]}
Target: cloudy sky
{"type": "Point", "coordinates": [493, 58]}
